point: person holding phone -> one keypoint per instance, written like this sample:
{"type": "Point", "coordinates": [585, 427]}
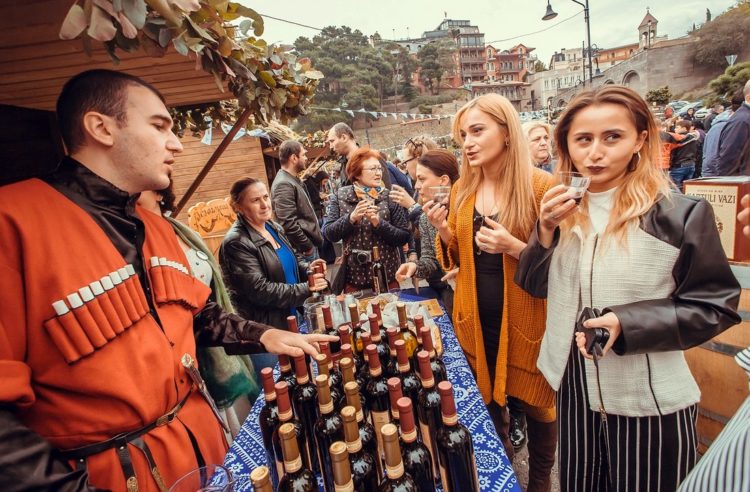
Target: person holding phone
{"type": "Point", "coordinates": [492, 211]}
{"type": "Point", "coordinates": [649, 265]}
{"type": "Point", "coordinates": [362, 216]}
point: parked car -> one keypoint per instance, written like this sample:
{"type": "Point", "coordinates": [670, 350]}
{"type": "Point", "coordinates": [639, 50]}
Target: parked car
{"type": "Point", "coordinates": [678, 105]}
{"type": "Point", "coordinates": [702, 113]}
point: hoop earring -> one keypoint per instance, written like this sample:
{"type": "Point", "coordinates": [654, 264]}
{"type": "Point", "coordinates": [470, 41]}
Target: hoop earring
{"type": "Point", "coordinates": [633, 165]}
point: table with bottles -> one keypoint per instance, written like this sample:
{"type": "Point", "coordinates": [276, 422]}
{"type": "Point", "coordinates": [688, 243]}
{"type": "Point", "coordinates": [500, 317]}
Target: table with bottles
{"type": "Point", "coordinates": [494, 470]}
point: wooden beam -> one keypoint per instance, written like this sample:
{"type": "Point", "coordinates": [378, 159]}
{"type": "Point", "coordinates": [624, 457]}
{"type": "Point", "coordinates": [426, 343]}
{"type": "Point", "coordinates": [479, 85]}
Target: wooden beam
{"type": "Point", "coordinates": [212, 160]}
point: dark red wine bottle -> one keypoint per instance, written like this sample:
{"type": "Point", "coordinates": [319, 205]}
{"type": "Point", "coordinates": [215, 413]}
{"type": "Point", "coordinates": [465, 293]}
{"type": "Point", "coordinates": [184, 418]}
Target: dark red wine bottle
{"type": "Point", "coordinates": [287, 372]}
{"type": "Point", "coordinates": [458, 468]}
{"type": "Point", "coordinates": [396, 477]}
{"type": "Point", "coordinates": [428, 410]}
{"type": "Point", "coordinates": [292, 326]}
{"type": "Point", "coordinates": [324, 367]}
{"type": "Point", "coordinates": [348, 375]}
{"type": "Point", "coordinates": [417, 458]}
{"type": "Point", "coordinates": [410, 383]}
{"type": "Point", "coordinates": [329, 428]}
{"type": "Point", "coordinates": [376, 337]}
{"type": "Point", "coordinates": [377, 395]}
{"type": "Point", "coordinates": [379, 277]}
{"type": "Point", "coordinates": [328, 329]}
{"type": "Point", "coordinates": [366, 430]}
{"type": "Point", "coordinates": [364, 377]}
{"type": "Point", "coordinates": [357, 330]}
{"type": "Point", "coordinates": [296, 477]}
{"type": "Point", "coordinates": [286, 416]}
{"type": "Point", "coordinates": [364, 464]}
{"type": "Point", "coordinates": [391, 368]}
{"type": "Point", "coordinates": [268, 420]}
{"type": "Point", "coordinates": [305, 400]}
{"type": "Point", "coordinates": [439, 372]}
{"type": "Point", "coordinates": [394, 393]}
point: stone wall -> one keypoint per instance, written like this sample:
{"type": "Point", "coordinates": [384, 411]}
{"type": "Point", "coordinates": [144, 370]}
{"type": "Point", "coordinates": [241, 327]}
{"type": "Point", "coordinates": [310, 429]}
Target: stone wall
{"type": "Point", "coordinates": [392, 137]}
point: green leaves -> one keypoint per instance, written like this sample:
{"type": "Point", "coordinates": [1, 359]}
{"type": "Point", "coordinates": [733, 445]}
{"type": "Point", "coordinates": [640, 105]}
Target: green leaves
{"type": "Point", "coordinates": [267, 79]}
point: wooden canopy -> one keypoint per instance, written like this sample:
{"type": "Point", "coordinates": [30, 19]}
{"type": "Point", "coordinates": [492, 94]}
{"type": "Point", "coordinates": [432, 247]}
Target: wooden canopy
{"type": "Point", "coordinates": [35, 62]}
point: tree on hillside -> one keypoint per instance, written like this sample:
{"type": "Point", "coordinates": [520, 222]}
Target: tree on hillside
{"type": "Point", "coordinates": [356, 73]}
{"type": "Point", "coordinates": [539, 66]}
{"type": "Point", "coordinates": [727, 34]}
{"type": "Point", "coordinates": [729, 82]}
{"type": "Point", "coordinates": [436, 59]}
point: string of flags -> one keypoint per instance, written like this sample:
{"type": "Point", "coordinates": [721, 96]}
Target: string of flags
{"type": "Point", "coordinates": [385, 114]}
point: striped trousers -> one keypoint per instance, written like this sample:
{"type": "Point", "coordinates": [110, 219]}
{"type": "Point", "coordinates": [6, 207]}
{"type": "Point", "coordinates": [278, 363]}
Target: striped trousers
{"type": "Point", "coordinates": [624, 453]}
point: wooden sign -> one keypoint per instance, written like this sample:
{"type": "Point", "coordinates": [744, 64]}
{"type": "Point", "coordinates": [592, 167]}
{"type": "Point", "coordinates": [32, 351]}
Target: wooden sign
{"type": "Point", "coordinates": [212, 217]}
{"type": "Point", "coordinates": [724, 195]}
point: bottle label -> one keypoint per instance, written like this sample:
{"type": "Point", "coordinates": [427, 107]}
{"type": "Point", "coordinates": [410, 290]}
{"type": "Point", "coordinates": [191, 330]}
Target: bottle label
{"type": "Point", "coordinates": [427, 440]}
{"type": "Point", "coordinates": [379, 419]}
{"type": "Point", "coordinates": [376, 285]}
{"type": "Point", "coordinates": [294, 465]}
{"type": "Point", "coordinates": [354, 446]}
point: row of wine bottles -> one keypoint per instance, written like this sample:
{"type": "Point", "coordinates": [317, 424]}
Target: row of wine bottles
{"type": "Point", "coordinates": [378, 276]}
{"type": "Point", "coordinates": [376, 392]}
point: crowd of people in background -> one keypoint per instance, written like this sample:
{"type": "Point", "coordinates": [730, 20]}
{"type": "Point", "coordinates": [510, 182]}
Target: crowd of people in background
{"type": "Point", "coordinates": [492, 234]}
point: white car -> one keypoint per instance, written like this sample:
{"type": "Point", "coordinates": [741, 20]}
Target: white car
{"type": "Point", "coordinates": [701, 113]}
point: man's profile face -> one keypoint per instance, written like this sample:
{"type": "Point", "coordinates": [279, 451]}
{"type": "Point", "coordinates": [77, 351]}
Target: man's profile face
{"type": "Point", "coordinates": [302, 159]}
{"type": "Point", "coordinates": [337, 144]}
{"type": "Point", "coordinates": [144, 145]}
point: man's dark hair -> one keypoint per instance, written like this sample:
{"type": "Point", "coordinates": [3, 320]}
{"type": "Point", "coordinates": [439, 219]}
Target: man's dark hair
{"type": "Point", "coordinates": [103, 91]}
{"type": "Point", "coordinates": [287, 149]}
{"type": "Point", "coordinates": [685, 124]}
{"type": "Point", "coordinates": [737, 99]}
{"type": "Point", "coordinates": [343, 129]}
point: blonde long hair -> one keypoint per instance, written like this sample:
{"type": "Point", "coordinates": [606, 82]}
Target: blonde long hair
{"type": "Point", "coordinates": [644, 184]}
{"type": "Point", "coordinates": [517, 206]}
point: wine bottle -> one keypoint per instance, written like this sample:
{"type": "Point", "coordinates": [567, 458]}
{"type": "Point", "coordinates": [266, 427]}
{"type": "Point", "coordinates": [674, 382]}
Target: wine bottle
{"type": "Point", "coordinates": [357, 330]}
{"type": "Point", "coordinates": [439, 372]}
{"type": "Point", "coordinates": [334, 372]}
{"type": "Point", "coordinates": [348, 375]}
{"type": "Point", "coordinates": [296, 477]}
{"type": "Point", "coordinates": [391, 368]}
{"type": "Point", "coordinates": [379, 277]}
{"type": "Point", "coordinates": [286, 416]}
{"type": "Point", "coordinates": [377, 395]}
{"type": "Point", "coordinates": [306, 407]}
{"type": "Point", "coordinates": [268, 420]}
{"type": "Point", "coordinates": [377, 339]}
{"type": "Point", "coordinates": [394, 393]}
{"type": "Point", "coordinates": [366, 430]}
{"type": "Point", "coordinates": [329, 428]}
{"type": "Point", "coordinates": [316, 295]}
{"type": "Point", "coordinates": [261, 479]}
{"type": "Point", "coordinates": [428, 410]}
{"type": "Point", "coordinates": [410, 383]}
{"type": "Point", "coordinates": [345, 333]}
{"type": "Point", "coordinates": [342, 471]}
{"type": "Point", "coordinates": [292, 326]}
{"type": "Point", "coordinates": [396, 478]}
{"type": "Point", "coordinates": [286, 372]}
{"type": "Point", "coordinates": [328, 329]}
{"type": "Point", "coordinates": [324, 367]}
{"type": "Point", "coordinates": [458, 468]}
{"type": "Point", "coordinates": [364, 377]}
{"type": "Point", "coordinates": [406, 335]}
{"type": "Point", "coordinates": [364, 464]}
{"type": "Point", "coordinates": [416, 456]}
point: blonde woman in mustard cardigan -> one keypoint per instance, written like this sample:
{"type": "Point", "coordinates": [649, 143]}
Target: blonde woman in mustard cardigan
{"type": "Point", "coordinates": [492, 211]}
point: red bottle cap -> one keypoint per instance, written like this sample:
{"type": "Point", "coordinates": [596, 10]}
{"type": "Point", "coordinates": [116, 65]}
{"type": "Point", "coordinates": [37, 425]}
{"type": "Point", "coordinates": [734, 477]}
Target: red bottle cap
{"type": "Point", "coordinates": [327, 318]}
{"type": "Point", "coordinates": [405, 415]}
{"type": "Point", "coordinates": [282, 398]}
{"type": "Point", "coordinates": [447, 401]}
{"type": "Point", "coordinates": [269, 390]}
{"type": "Point", "coordinates": [372, 358]}
{"type": "Point", "coordinates": [284, 361]}
{"type": "Point", "coordinates": [300, 369]}
{"type": "Point", "coordinates": [374, 326]}
{"type": "Point", "coordinates": [425, 369]}
{"type": "Point", "coordinates": [394, 391]}
{"type": "Point", "coordinates": [291, 324]}
{"type": "Point", "coordinates": [345, 334]}
{"type": "Point", "coordinates": [346, 351]}
{"type": "Point", "coordinates": [426, 335]}
{"type": "Point", "coordinates": [376, 310]}
{"type": "Point", "coordinates": [403, 360]}
{"type": "Point", "coordinates": [418, 322]}
{"type": "Point", "coordinates": [392, 337]}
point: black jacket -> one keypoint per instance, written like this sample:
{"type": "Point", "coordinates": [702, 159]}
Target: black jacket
{"type": "Point", "coordinates": [295, 212]}
{"type": "Point", "coordinates": [255, 277]}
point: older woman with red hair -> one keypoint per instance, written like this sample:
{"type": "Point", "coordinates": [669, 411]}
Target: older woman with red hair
{"type": "Point", "coordinates": [362, 216]}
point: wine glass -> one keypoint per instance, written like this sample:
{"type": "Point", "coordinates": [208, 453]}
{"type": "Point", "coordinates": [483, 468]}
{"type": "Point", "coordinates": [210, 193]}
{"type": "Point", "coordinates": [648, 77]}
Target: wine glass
{"type": "Point", "coordinates": [577, 183]}
{"type": "Point", "coordinates": [439, 194]}
{"type": "Point", "coordinates": [209, 478]}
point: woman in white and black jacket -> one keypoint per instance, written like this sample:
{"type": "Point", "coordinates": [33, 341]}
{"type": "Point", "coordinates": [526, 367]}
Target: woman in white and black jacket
{"type": "Point", "coordinates": [652, 262]}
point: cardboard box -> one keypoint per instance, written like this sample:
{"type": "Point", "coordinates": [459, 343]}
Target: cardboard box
{"type": "Point", "coordinates": [724, 195]}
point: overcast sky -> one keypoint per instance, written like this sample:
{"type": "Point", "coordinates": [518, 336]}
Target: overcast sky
{"type": "Point", "coordinates": [613, 22]}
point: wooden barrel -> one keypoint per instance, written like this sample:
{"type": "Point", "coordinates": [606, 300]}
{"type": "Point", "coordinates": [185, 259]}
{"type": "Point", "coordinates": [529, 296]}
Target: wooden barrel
{"type": "Point", "coordinates": [723, 384]}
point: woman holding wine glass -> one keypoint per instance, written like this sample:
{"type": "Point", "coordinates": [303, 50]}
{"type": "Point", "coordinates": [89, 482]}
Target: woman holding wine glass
{"type": "Point", "coordinates": [436, 171]}
{"type": "Point", "coordinates": [492, 211]}
{"type": "Point", "coordinates": [633, 276]}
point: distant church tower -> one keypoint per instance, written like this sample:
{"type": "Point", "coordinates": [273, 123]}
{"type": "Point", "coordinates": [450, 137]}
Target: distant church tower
{"type": "Point", "coordinates": [647, 31]}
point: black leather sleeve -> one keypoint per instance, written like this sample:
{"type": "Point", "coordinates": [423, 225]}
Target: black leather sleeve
{"type": "Point", "coordinates": [29, 463]}
{"type": "Point", "coordinates": [534, 263]}
{"type": "Point", "coordinates": [214, 327]}
{"type": "Point", "coordinates": [244, 273]}
{"type": "Point", "coordinates": [705, 300]}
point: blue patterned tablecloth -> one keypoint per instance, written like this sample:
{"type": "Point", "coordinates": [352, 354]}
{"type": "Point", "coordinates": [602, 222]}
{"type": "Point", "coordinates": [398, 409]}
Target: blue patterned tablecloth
{"type": "Point", "coordinates": [494, 469]}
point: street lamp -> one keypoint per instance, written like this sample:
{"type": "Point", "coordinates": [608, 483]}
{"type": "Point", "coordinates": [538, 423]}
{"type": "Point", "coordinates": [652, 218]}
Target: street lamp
{"type": "Point", "coordinates": [551, 14]}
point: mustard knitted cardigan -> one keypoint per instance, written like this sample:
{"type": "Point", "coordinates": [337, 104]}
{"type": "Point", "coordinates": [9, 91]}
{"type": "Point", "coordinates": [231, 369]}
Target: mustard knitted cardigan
{"type": "Point", "coordinates": [523, 320]}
